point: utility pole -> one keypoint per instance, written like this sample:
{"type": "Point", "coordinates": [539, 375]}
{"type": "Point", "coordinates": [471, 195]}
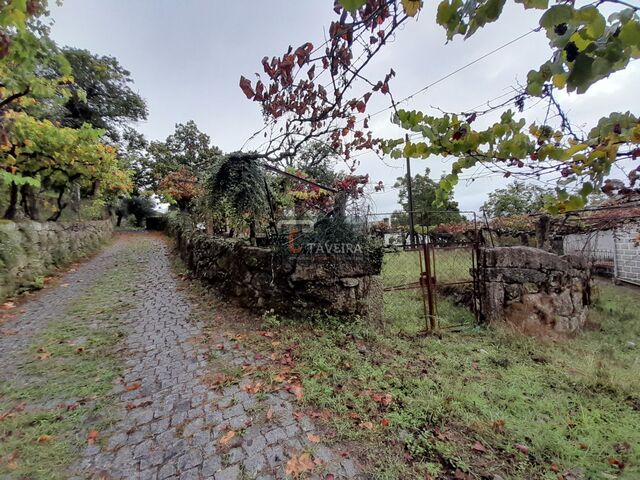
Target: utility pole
{"type": "Point", "coordinates": [412, 235]}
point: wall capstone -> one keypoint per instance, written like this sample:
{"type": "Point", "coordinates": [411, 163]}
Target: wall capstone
{"type": "Point", "coordinates": [533, 289]}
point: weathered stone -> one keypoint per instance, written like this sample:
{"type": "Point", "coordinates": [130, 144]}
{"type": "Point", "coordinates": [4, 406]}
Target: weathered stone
{"type": "Point", "coordinates": [533, 289]}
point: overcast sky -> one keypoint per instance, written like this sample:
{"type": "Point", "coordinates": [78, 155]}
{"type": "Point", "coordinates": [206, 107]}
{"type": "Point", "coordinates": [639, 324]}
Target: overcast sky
{"type": "Point", "coordinates": [186, 58]}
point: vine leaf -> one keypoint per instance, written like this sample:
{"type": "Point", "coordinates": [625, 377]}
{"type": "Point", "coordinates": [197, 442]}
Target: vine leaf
{"type": "Point", "coordinates": [352, 5]}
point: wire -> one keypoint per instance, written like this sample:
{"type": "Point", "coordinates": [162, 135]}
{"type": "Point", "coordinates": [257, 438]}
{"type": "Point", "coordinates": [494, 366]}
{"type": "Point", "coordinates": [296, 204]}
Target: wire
{"type": "Point", "coordinates": [458, 70]}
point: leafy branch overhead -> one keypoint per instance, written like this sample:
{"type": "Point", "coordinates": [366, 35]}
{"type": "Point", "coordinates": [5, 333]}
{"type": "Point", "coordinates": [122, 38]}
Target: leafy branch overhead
{"type": "Point", "coordinates": [322, 93]}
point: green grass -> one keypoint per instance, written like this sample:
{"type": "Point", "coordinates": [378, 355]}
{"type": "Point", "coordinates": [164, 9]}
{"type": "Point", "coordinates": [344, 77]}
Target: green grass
{"type": "Point", "coordinates": [404, 309]}
{"type": "Point", "coordinates": [66, 378]}
{"type": "Point", "coordinates": [573, 404]}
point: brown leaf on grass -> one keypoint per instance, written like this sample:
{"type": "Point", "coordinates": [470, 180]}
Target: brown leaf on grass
{"type": "Point", "coordinates": [92, 437]}
{"type": "Point", "coordinates": [478, 447]}
{"type": "Point", "coordinates": [299, 465]}
{"type": "Point", "coordinates": [382, 398]}
{"type": "Point", "coordinates": [12, 411]}
{"type": "Point", "coordinates": [220, 379]}
{"type": "Point", "coordinates": [522, 448]}
{"type": "Point", "coordinates": [498, 426]}
{"type": "Point", "coordinates": [44, 355]}
{"type": "Point", "coordinates": [366, 425]}
{"type": "Point", "coordinates": [313, 437]}
{"type": "Point", "coordinates": [43, 438]}
{"type": "Point", "coordinates": [384, 423]}
{"type": "Point", "coordinates": [12, 461]}
{"type": "Point", "coordinates": [268, 334]}
{"type": "Point", "coordinates": [252, 388]}
{"type": "Point", "coordinates": [298, 391]}
{"type": "Point", "coordinates": [614, 462]}
{"type": "Point", "coordinates": [133, 386]}
{"type": "Point", "coordinates": [226, 438]}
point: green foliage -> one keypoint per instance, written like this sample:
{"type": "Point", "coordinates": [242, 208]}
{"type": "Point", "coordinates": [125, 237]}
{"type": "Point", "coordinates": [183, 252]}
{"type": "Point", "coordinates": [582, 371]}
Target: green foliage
{"type": "Point", "coordinates": [518, 198]}
{"type": "Point", "coordinates": [239, 182]}
{"type": "Point", "coordinates": [140, 207]}
{"type": "Point", "coordinates": [424, 201]}
{"type": "Point", "coordinates": [186, 147]}
{"type": "Point", "coordinates": [585, 48]}
{"type": "Point", "coordinates": [101, 94]}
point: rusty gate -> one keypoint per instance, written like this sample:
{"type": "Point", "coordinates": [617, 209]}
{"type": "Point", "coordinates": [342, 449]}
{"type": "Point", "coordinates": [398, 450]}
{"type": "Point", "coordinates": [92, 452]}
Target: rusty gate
{"type": "Point", "coordinates": [425, 271]}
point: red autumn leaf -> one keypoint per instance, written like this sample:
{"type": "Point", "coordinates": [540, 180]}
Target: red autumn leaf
{"type": "Point", "coordinates": [384, 423]}
{"type": "Point", "coordinates": [92, 437]}
{"type": "Point", "coordinates": [246, 87]}
{"type": "Point", "coordinates": [614, 462]}
{"type": "Point", "coordinates": [133, 386]}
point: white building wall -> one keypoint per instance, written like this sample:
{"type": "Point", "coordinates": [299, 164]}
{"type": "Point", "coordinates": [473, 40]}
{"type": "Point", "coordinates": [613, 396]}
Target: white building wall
{"type": "Point", "coordinates": [627, 253]}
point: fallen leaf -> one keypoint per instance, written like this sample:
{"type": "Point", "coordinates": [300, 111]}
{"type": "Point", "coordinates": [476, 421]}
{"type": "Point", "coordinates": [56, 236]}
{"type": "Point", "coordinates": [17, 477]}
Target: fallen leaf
{"type": "Point", "coordinates": [384, 423]}
{"type": "Point", "coordinates": [614, 462]}
{"type": "Point", "coordinates": [270, 414]}
{"type": "Point", "coordinates": [12, 461]}
{"type": "Point", "coordinates": [226, 438]}
{"type": "Point", "coordinates": [299, 465]}
{"type": "Point", "coordinates": [252, 388]}
{"type": "Point", "coordinates": [367, 425]}
{"type": "Point", "coordinates": [133, 386]}
{"type": "Point", "coordinates": [43, 438]}
{"type": "Point", "coordinates": [329, 476]}
{"type": "Point", "coordinates": [44, 356]}
{"type": "Point", "coordinates": [92, 437]}
{"type": "Point", "coordinates": [268, 334]}
{"type": "Point", "coordinates": [298, 391]}
{"type": "Point", "coordinates": [313, 437]}
{"type": "Point", "coordinates": [498, 426]}
{"type": "Point", "coordinates": [7, 306]}
{"type": "Point", "coordinates": [522, 448]}
{"type": "Point", "coordinates": [478, 447]}
{"type": "Point", "coordinates": [474, 365]}
{"type": "Point", "coordinates": [298, 415]}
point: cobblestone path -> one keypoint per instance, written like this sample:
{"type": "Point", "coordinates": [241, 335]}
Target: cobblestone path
{"type": "Point", "coordinates": [172, 423]}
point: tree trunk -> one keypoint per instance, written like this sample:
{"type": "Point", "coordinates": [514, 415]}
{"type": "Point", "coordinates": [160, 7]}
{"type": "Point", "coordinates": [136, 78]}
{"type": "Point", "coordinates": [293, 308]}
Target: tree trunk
{"type": "Point", "coordinates": [12, 209]}
{"type": "Point", "coordinates": [252, 232]}
{"type": "Point", "coordinates": [29, 202]}
{"type": "Point", "coordinates": [61, 207]}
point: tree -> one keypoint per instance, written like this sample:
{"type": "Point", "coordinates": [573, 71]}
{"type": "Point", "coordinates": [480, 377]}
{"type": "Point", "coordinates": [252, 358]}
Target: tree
{"type": "Point", "coordinates": [180, 187]}
{"type": "Point", "coordinates": [186, 147]}
{"type": "Point", "coordinates": [101, 94]}
{"type": "Point", "coordinates": [424, 199]}
{"type": "Point", "coordinates": [35, 152]}
{"type": "Point", "coordinates": [518, 198]}
{"type": "Point", "coordinates": [58, 158]}
{"type": "Point", "coordinates": [134, 156]}
{"type": "Point", "coordinates": [585, 48]}
{"type": "Point", "coordinates": [238, 185]}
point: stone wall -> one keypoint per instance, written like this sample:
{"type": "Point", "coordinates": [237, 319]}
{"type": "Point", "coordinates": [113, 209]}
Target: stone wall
{"type": "Point", "coordinates": [30, 250]}
{"type": "Point", "coordinates": [261, 278]}
{"type": "Point", "coordinates": [534, 290]}
{"type": "Point", "coordinates": [627, 254]}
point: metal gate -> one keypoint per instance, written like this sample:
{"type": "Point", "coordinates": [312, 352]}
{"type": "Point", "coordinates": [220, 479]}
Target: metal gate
{"type": "Point", "coordinates": [420, 270]}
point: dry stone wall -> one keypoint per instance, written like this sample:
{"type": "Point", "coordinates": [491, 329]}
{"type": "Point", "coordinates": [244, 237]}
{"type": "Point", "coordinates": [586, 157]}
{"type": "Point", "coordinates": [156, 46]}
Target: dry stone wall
{"type": "Point", "coordinates": [30, 250]}
{"type": "Point", "coordinates": [262, 279]}
{"type": "Point", "coordinates": [534, 290]}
